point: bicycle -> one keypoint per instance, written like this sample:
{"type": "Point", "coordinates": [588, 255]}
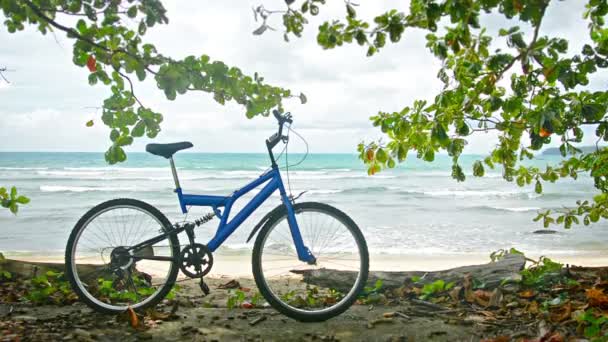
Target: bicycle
{"type": "Point", "coordinates": [125, 253]}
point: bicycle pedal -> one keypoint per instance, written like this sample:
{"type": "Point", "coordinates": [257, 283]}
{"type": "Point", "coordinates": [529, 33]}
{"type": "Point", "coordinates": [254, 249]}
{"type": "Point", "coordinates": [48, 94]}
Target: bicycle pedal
{"type": "Point", "coordinates": [204, 287]}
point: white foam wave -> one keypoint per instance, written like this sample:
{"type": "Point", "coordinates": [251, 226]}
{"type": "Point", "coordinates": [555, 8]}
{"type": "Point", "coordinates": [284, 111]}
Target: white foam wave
{"type": "Point", "coordinates": [479, 193]}
{"type": "Point", "coordinates": [59, 188]}
{"type": "Point", "coordinates": [512, 209]}
{"type": "Point", "coordinates": [322, 192]}
{"type": "Point", "coordinates": [23, 168]}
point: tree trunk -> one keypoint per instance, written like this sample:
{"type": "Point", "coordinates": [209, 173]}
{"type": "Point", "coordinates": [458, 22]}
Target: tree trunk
{"type": "Point", "coordinates": [491, 274]}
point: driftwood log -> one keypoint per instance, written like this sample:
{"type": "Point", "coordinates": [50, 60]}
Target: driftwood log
{"type": "Point", "coordinates": [492, 274]}
{"type": "Point", "coordinates": [28, 269]}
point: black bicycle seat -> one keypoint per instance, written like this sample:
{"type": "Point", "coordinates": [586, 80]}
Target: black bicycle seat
{"type": "Point", "coordinates": [167, 150]}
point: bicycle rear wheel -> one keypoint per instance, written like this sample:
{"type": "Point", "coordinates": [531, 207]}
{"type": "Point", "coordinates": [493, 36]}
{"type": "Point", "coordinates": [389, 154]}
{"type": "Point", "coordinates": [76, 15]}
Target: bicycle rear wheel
{"type": "Point", "coordinates": [102, 270]}
{"type": "Point", "coordinates": [338, 245]}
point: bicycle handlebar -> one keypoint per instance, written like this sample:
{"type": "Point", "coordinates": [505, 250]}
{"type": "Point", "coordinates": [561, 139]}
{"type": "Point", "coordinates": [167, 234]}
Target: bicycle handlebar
{"type": "Point", "coordinates": [282, 119]}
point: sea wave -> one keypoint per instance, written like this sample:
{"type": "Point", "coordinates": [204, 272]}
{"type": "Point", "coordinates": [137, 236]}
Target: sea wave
{"type": "Point", "coordinates": [23, 168]}
{"type": "Point", "coordinates": [154, 174]}
{"type": "Point", "coordinates": [510, 209]}
{"type": "Point", "coordinates": [471, 193]}
{"type": "Point", "coordinates": [60, 188]}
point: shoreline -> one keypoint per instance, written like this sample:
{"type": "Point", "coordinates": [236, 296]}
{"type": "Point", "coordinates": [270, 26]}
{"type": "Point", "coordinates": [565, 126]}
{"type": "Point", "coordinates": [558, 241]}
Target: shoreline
{"type": "Point", "coordinates": [239, 265]}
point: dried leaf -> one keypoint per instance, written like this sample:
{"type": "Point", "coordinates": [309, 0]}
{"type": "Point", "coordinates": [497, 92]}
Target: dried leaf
{"type": "Point", "coordinates": [455, 293]}
{"type": "Point", "coordinates": [552, 337]}
{"type": "Point", "coordinates": [482, 297]}
{"type": "Point", "coordinates": [467, 283]}
{"type": "Point", "coordinates": [597, 298]}
{"type": "Point", "coordinates": [532, 307]}
{"type": "Point", "coordinates": [133, 319]}
{"type": "Point", "coordinates": [527, 294]}
{"type": "Point", "coordinates": [561, 314]}
{"type": "Point", "coordinates": [157, 315]}
{"type": "Point", "coordinates": [233, 284]}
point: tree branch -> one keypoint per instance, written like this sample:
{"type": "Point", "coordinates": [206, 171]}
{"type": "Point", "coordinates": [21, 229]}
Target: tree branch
{"type": "Point", "coordinates": [75, 33]}
{"type": "Point", "coordinates": [2, 70]}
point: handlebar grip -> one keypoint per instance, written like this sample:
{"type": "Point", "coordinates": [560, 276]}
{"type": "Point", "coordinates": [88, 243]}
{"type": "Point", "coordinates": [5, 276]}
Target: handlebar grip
{"type": "Point", "coordinates": [277, 115]}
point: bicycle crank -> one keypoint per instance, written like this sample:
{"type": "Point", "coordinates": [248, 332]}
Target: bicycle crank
{"type": "Point", "coordinates": [196, 260]}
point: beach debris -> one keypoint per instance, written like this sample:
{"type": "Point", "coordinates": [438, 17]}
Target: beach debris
{"type": "Point", "coordinates": [372, 323]}
{"type": "Point", "coordinates": [232, 284]}
{"type": "Point", "coordinates": [258, 320]}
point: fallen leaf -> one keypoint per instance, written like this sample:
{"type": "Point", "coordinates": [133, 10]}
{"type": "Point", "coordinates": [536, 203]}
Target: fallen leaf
{"type": "Point", "coordinates": [552, 337]}
{"type": "Point", "coordinates": [247, 305]}
{"type": "Point", "coordinates": [468, 288]}
{"type": "Point", "coordinates": [455, 293]}
{"type": "Point", "coordinates": [133, 319]}
{"type": "Point", "coordinates": [482, 297]}
{"type": "Point", "coordinates": [596, 298]}
{"type": "Point", "coordinates": [527, 294]}
{"type": "Point", "coordinates": [157, 315]}
{"type": "Point", "coordinates": [532, 307]}
{"type": "Point", "coordinates": [561, 313]}
{"type": "Point", "coordinates": [233, 284]}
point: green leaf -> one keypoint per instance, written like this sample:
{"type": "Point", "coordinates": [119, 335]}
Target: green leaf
{"type": "Point", "coordinates": [89, 123]}
{"type": "Point", "coordinates": [538, 188]}
{"type": "Point", "coordinates": [139, 129]}
{"type": "Point", "coordinates": [23, 200]}
{"type": "Point", "coordinates": [478, 169]}
{"type": "Point", "coordinates": [381, 155]}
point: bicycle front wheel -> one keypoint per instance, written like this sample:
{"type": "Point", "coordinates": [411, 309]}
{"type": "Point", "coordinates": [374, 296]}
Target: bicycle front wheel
{"type": "Point", "coordinates": [340, 251]}
{"type": "Point", "coordinates": [103, 269]}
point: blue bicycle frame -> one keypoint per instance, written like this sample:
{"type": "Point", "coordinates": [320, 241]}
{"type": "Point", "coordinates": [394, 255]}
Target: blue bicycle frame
{"type": "Point", "coordinates": [226, 228]}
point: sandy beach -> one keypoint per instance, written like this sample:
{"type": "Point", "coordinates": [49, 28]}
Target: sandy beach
{"type": "Point", "coordinates": [239, 265]}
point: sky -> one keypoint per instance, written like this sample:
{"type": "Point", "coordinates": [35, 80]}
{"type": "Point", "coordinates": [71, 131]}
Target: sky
{"type": "Point", "coordinates": [48, 102]}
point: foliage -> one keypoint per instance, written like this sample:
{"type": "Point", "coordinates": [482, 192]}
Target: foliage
{"type": "Point", "coordinates": [530, 93]}
{"type": "Point", "coordinates": [113, 290]}
{"type": "Point", "coordinates": [237, 298]}
{"type": "Point", "coordinates": [501, 253]}
{"type": "Point", "coordinates": [113, 54]}
{"type": "Point", "coordinates": [593, 323]}
{"type": "Point", "coordinates": [438, 286]}
{"type": "Point", "coordinates": [543, 273]}
{"type": "Point", "coordinates": [50, 288]}
{"type": "Point", "coordinates": [372, 294]}
{"type": "Point", "coordinates": [314, 297]}
{"type": "Point", "coordinates": [12, 200]}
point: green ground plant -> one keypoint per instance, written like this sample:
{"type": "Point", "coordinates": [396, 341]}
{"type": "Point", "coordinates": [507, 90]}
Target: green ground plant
{"type": "Point", "coordinates": [593, 322]}
{"type": "Point", "coordinates": [50, 288]}
{"type": "Point", "coordinates": [434, 288]}
{"type": "Point", "coordinates": [236, 299]}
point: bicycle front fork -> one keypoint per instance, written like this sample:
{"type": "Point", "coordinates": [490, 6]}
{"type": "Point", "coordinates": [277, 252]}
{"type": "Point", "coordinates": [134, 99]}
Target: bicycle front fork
{"type": "Point", "coordinates": [304, 254]}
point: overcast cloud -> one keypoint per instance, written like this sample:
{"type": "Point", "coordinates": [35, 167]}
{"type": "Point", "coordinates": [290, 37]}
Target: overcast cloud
{"type": "Point", "coordinates": [49, 100]}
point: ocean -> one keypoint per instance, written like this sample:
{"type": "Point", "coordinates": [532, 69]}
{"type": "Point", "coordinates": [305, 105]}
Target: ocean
{"type": "Point", "coordinates": [415, 209]}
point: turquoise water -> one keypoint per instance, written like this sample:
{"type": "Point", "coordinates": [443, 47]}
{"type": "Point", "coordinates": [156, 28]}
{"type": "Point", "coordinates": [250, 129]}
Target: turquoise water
{"type": "Point", "coordinates": [414, 209]}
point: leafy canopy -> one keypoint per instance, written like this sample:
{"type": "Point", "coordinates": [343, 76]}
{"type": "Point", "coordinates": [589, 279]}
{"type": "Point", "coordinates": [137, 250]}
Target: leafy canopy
{"type": "Point", "coordinates": [530, 93]}
{"type": "Point", "coordinates": [114, 53]}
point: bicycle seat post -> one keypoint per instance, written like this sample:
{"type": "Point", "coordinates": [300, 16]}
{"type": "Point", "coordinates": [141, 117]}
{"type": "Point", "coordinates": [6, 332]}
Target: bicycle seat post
{"type": "Point", "coordinates": [174, 171]}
